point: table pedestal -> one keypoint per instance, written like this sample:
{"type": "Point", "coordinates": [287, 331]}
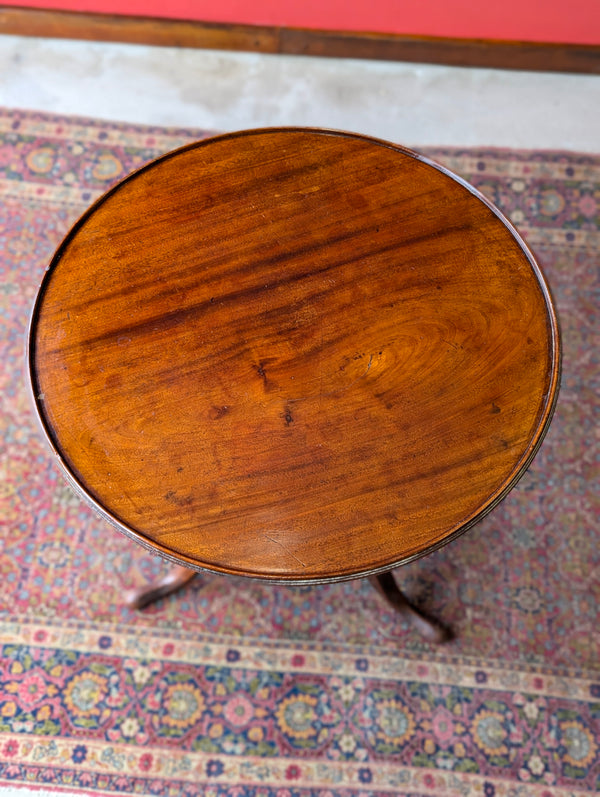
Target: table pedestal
{"type": "Point", "coordinates": [384, 583]}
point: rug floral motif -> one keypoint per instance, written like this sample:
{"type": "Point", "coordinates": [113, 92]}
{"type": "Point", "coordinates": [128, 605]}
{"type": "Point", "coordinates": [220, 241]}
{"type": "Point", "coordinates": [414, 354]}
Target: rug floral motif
{"type": "Point", "coordinates": [235, 687]}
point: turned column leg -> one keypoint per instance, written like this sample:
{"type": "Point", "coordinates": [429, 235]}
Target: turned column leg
{"type": "Point", "coordinates": [175, 579]}
{"type": "Point", "coordinates": [428, 627]}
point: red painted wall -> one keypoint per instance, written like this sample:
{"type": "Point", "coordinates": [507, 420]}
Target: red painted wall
{"type": "Point", "coordinates": [570, 21]}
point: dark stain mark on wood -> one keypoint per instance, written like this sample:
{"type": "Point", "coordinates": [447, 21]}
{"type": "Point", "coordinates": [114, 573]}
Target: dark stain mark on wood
{"type": "Point", "coordinates": [178, 500]}
{"type": "Point", "coordinates": [260, 370]}
{"type": "Point", "coordinates": [216, 413]}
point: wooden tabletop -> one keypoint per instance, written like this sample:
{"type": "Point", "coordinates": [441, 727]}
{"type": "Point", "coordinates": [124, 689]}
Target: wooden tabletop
{"type": "Point", "coordinates": [293, 354]}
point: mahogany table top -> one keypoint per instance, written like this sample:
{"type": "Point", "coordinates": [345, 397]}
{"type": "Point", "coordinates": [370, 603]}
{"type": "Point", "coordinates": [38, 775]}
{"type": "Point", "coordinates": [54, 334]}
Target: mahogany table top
{"type": "Point", "coordinates": [293, 354]}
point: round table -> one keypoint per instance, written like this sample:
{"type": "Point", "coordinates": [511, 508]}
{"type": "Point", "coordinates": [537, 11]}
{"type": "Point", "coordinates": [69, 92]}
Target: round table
{"type": "Point", "coordinates": [293, 354]}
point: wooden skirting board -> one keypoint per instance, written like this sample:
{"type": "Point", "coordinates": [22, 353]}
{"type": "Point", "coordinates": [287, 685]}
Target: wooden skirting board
{"type": "Point", "coordinates": [293, 41]}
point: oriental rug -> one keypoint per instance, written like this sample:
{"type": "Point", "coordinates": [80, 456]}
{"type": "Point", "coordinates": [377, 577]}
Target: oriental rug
{"type": "Point", "coordinates": [235, 687]}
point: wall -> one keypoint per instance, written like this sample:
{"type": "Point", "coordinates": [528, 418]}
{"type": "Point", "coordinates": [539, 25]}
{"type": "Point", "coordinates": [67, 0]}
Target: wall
{"type": "Point", "coordinates": [565, 21]}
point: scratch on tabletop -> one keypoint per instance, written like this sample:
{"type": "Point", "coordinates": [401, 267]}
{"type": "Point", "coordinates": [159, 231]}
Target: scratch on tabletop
{"type": "Point", "coordinates": [286, 549]}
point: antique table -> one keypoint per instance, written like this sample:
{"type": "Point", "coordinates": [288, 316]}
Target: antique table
{"type": "Point", "coordinates": [293, 354]}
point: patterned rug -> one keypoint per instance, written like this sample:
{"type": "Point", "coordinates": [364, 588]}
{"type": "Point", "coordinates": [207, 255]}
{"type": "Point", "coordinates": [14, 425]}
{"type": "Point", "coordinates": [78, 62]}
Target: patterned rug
{"type": "Point", "coordinates": [236, 687]}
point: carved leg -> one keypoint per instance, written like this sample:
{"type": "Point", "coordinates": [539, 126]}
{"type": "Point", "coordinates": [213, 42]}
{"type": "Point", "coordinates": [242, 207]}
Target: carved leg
{"type": "Point", "coordinates": [175, 579]}
{"type": "Point", "coordinates": [429, 628]}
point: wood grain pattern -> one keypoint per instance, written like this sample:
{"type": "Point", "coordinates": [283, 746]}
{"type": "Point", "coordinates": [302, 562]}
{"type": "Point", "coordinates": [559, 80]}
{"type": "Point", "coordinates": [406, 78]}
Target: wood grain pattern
{"type": "Point", "coordinates": [483, 53]}
{"type": "Point", "coordinates": [137, 30]}
{"type": "Point", "coordinates": [553, 57]}
{"type": "Point", "coordinates": [294, 354]}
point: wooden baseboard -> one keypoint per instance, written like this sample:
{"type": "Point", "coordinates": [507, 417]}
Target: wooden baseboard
{"type": "Point", "coordinates": [292, 41]}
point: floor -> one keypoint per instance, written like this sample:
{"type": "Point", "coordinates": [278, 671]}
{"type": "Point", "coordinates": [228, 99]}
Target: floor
{"type": "Point", "coordinates": [411, 104]}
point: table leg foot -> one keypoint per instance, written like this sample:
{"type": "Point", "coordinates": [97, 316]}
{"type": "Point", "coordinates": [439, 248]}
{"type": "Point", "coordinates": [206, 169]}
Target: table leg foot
{"type": "Point", "coordinates": [175, 579]}
{"type": "Point", "coordinates": [428, 627]}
